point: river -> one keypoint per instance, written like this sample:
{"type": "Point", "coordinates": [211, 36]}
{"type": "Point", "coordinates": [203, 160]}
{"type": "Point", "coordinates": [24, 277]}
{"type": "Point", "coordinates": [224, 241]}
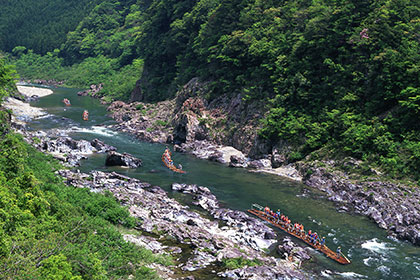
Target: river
{"type": "Point", "coordinates": [373, 255]}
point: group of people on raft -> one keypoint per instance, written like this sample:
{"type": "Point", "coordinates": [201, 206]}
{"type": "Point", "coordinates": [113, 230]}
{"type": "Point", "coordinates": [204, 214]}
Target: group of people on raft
{"type": "Point", "coordinates": [168, 160]}
{"type": "Point", "coordinates": [85, 115]}
{"type": "Point", "coordinates": [312, 237]}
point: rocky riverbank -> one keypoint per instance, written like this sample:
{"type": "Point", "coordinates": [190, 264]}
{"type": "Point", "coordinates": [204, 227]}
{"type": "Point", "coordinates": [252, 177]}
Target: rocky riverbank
{"type": "Point", "coordinates": [225, 131]}
{"type": "Point", "coordinates": [211, 245]}
{"type": "Point", "coordinates": [392, 206]}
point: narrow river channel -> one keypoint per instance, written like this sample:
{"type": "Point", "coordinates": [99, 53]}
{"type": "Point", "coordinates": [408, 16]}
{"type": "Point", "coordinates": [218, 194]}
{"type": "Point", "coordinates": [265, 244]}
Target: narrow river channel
{"type": "Point", "coordinates": [373, 255]}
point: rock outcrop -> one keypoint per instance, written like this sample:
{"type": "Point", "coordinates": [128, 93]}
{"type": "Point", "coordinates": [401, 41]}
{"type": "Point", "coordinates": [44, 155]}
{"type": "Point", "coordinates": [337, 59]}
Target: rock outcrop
{"type": "Point", "coordinates": [252, 231]}
{"type": "Point", "coordinates": [93, 91]}
{"type": "Point", "coordinates": [61, 146]}
{"type": "Point", "coordinates": [189, 119]}
{"type": "Point", "coordinates": [101, 147]}
{"type": "Point", "coordinates": [210, 242]}
{"type": "Point", "coordinates": [393, 207]}
{"type": "Point", "coordinates": [289, 250]}
{"type": "Point", "coordinates": [125, 159]}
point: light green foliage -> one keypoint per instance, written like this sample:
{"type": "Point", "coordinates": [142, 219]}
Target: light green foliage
{"type": "Point", "coordinates": [57, 268]}
{"type": "Point", "coordinates": [30, 64]}
{"type": "Point", "coordinates": [239, 262]}
{"type": "Point", "coordinates": [118, 82]}
{"type": "Point", "coordinates": [7, 76]}
{"type": "Point", "coordinates": [161, 123]}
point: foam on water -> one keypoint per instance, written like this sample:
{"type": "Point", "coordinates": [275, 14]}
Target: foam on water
{"type": "Point", "coordinates": [375, 246]}
{"type": "Point", "coordinates": [384, 269]}
{"type": "Point", "coordinates": [326, 273]}
{"type": "Point", "coordinates": [417, 265]}
{"type": "Point", "coordinates": [100, 130]}
{"type": "Point", "coordinates": [367, 261]}
{"type": "Point", "coordinates": [316, 222]}
{"type": "Point", "coordinates": [352, 275]}
{"type": "Point", "coordinates": [44, 116]}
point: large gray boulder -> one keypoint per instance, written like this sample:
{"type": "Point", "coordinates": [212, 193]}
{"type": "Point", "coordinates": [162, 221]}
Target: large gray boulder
{"type": "Point", "coordinates": [125, 159]}
{"type": "Point", "coordinates": [101, 147]}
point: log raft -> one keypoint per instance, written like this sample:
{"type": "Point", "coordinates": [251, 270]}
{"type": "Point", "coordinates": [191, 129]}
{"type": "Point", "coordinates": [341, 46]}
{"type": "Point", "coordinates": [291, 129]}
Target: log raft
{"type": "Point", "coordinates": [342, 259]}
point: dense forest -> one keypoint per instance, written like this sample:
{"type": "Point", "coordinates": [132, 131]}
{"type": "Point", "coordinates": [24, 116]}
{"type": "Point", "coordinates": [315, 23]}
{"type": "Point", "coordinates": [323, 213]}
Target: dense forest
{"type": "Point", "coordinates": [341, 78]}
{"type": "Point", "coordinates": [51, 231]}
{"type": "Point", "coordinates": [39, 25]}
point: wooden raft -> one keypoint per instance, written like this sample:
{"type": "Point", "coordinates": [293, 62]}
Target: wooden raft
{"type": "Point", "coordinates": [85, 116]}
{"type": "Point", "coordinates": [324, 249]}
{"type": "Point", "coordinates": [67, 102]}
{"type": "Point", "coordinates": [171, 167]}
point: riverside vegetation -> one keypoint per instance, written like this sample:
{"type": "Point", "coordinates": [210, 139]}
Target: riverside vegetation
{"type": "Point", "coordinates": [50, 231]}
{"type": "Point", "coordinates": [339, 78]}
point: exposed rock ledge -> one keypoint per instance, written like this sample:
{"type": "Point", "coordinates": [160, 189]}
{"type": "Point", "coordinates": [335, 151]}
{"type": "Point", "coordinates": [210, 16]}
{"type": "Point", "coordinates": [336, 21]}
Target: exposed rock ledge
{"type": "Point", "coordinates": [393, 207]}
{"type": "Point", "coordinates": [243, 236]}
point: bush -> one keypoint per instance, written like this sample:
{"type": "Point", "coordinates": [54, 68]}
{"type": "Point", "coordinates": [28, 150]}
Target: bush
{"type": "Point", "coordinates": [235, 263]}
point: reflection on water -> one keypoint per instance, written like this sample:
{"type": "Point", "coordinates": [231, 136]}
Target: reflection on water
{"type": "Point", "coordinates": [373, 255]}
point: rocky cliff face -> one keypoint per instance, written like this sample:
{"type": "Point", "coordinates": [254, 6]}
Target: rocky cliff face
{"type": "Point", "coordinates": [188, 118]}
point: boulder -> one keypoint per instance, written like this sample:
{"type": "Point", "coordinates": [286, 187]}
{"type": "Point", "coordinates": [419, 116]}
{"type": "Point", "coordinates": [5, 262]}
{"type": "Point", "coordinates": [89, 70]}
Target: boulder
{"type": "Point", "coordinates": [279, 154]}
{"type": "Point", "coordinates": [236, 161]}
{"type": "Point", "coordinates": [125, 159]}
{"type": "Point", "coordinates": [287, 249]}
{"type": "Point", "coordinates": [216, 156]}
{"type": "Point", "coordinates": [32, 98]}
{"type": "Point", "coordinates": [101, 147]}
{"type": "Point", "coordinates": [259, 164]}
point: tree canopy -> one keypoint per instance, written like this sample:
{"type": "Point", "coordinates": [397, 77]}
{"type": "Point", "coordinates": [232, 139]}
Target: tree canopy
{"type": "Point", "coordinates": [339, 74]}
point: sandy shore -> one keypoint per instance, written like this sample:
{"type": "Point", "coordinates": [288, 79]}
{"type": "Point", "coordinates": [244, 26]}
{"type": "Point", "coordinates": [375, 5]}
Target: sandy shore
{"type": "Point", "coordinates": [29, 91]}
{"type": "Point", "coordinates": [23, 111]}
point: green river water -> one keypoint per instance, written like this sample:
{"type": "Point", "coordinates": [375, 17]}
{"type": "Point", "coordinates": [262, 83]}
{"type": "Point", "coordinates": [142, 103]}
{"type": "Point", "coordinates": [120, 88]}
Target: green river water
{"type": "Point", "coordinates": [373, 255]}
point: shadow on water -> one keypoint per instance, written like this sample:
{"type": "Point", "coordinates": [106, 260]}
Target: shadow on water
{"type": "Point", "coordinates": [373, 255]}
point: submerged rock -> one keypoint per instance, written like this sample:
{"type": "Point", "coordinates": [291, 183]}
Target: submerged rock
{"type": "Point", "coordinates": [202, 196]}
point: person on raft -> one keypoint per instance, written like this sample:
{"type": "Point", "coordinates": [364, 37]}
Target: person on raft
{"type": "Point", "coordinates": [85, 115]}
{"type": "Point", "coordinates": [338, 251]}
{"type": "Point", "coordinates": [322, 241]}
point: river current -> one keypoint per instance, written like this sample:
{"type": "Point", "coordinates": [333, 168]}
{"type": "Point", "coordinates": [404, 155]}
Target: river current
{"type": "Point", "coordinates": [373, 254]}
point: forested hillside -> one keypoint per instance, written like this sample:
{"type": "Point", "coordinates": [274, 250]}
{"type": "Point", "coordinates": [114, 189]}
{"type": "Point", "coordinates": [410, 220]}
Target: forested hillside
{"type": "Point", "coordinates": [39, 25]}
{"type": "Point", "coordinates": [339, 77]}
